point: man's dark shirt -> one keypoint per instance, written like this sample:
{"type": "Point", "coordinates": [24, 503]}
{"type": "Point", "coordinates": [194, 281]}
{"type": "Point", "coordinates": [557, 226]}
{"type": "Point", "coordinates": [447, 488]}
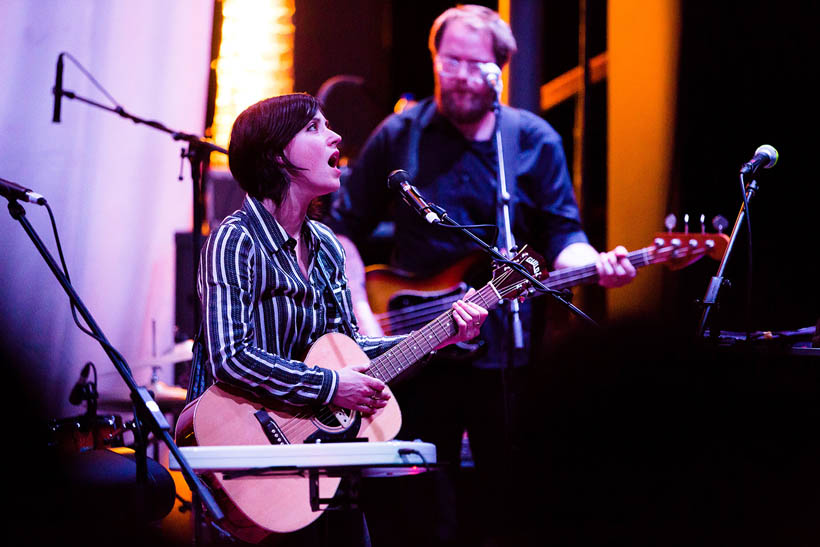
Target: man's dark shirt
{"type": "Point", "coordinates": [461, 177]}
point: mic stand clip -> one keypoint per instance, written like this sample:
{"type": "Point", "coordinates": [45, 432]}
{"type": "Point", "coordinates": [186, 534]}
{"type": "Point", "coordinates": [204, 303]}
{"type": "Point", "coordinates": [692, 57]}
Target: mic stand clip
{"type": "Point", "coordinates": [500, 259]}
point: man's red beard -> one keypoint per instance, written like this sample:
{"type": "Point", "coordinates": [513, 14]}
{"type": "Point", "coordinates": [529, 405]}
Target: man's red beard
{"type": "Point", "coordinates": [463, 111]}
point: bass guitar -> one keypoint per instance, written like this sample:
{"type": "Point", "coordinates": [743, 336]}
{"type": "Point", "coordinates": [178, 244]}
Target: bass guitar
{"type": "Point", "coordinates": [403, 302]}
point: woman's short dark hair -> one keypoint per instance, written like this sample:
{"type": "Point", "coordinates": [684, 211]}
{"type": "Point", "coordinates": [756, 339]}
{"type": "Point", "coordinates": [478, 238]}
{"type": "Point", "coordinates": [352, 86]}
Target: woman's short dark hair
{"type": "Point", "coordinates": [258, 139]}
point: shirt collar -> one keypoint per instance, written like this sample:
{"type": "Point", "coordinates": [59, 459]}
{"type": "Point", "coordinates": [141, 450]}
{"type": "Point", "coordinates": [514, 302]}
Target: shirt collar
{"type": "Point", "coordinates": [270, 233]}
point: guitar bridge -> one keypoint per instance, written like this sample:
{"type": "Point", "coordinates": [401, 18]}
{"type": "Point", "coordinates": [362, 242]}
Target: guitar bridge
{"type": "Point", "coordinates": [269, 427]}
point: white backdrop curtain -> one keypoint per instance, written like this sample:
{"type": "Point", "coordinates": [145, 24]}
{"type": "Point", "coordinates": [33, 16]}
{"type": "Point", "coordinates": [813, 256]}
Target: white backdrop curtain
{"type": "Point", "coordinates": [113, 185]}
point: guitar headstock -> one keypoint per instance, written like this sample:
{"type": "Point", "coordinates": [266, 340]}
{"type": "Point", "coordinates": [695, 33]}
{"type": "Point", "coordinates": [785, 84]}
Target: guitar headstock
{"type": "Point", "coordinates": [509, 283]}
{"type": "Point", "coordinates": [680, 249]}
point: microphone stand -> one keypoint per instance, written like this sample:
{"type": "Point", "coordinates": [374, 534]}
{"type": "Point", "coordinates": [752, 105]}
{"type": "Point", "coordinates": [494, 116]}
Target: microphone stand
{"type": "Point", "coordinates": [198, 153]}
{"type": "Point", "coordinates": [145, 407]}
{"type": "Point", "coordinates": [514, 317]}
{"type": "Point", "coordinates": [712, 291]}
{"type": "Point", "coordinates": [503, 214]}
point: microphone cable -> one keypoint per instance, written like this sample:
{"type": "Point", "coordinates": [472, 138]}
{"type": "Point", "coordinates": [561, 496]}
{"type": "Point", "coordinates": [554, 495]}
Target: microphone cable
{"type": "Point", "coordinates": [93, 80]}
{"type": "Point", "coordinates": [82, 327]}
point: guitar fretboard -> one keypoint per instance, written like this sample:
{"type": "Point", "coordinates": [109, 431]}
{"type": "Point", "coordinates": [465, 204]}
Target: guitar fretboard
{"type": "Point", "coordinates": [418, 344]}
{"type": "Point", "coordinates": [581, 275]}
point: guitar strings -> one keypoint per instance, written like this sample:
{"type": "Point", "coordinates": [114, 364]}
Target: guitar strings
{"type": "Point", "coordinates": [400, 320]}
{"type": "Point", "coordinates": [410, 318]}
{"type": "Point", "coordinates": [304, 427]}
{"type": "Point", "coordinates": [432, 303]}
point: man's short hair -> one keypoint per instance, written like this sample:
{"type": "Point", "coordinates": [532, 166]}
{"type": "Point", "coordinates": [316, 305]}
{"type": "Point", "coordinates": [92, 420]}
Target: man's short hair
{"type": "Point", "coordinates": [478, 18]}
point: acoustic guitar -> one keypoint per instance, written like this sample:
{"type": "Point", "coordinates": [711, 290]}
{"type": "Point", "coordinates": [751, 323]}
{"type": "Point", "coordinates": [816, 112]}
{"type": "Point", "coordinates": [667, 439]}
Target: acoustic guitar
{"type": "Point", "coordinates": [257, 506]}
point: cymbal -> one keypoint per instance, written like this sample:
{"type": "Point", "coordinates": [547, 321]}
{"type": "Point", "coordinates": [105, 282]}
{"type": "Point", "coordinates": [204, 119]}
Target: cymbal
{"type": "Point", "coordinates": [168, 397]}
{"type": "Point", "coordinates": [183, 351]}
{"type": "Point", "coordinates": [164, 393]}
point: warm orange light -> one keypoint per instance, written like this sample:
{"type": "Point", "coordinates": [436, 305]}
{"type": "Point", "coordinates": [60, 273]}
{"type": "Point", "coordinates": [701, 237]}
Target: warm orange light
{"type": "Point", "coordinates": [255, 60]}
{"type": "Point", "coordinates": [504, 12]}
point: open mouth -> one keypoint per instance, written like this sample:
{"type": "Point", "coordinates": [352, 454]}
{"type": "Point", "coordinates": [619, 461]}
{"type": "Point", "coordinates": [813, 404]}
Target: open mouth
{"type": "Point", "coordinates": [334, 159]}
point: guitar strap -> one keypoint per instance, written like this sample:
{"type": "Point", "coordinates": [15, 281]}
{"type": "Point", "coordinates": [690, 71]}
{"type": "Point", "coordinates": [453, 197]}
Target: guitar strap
{"type": "Point", "coordinates": [410, 159]}
{"type": "Point", "coordinates": [324, 267]}
{"type": "Point", "coordinates": [509, 121]}
{"type": "Point", "coordinates": [200, 377]}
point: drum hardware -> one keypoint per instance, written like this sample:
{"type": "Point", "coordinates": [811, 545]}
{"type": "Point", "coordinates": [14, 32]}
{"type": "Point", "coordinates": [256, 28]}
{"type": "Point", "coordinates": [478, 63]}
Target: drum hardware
{"type": "Point", "coordinates": [85, 432]}
{"type": "Point", "coordinates": [84, 390]}
{"type": "Point", "coordinates": [88, 431]}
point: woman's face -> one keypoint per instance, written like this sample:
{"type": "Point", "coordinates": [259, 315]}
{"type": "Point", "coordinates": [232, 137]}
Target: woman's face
{"type": "Point", "coordinates": [315, 150]}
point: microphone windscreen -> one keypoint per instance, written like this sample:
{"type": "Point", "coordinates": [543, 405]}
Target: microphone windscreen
{"type": "Point", "coordinates": [396, 178]}
{"type": "Point", "coordinates": [771, 155]}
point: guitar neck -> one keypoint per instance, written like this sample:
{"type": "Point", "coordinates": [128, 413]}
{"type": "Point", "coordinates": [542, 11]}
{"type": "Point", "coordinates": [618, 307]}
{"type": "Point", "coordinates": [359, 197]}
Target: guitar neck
{"type": "Point", "coordinates": [418, 344]}
{"type": "Point", "coordinates": [584, 275]}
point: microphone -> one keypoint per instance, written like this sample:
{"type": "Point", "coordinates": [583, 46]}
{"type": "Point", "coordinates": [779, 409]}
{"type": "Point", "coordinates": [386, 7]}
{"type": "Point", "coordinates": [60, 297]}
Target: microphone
{"type": "Point", "coordinates": [399, 180]}
{"type": "Point", "coordinates": [11, 191]}
{"type": "Point", "coordinates": [77, 392]}
{"type": "Point", "coordinates": [58, 89]}
{"type": "Point", "coordinates": [492, 76]}
{"type": "Point", "coordinates": [765, 157]}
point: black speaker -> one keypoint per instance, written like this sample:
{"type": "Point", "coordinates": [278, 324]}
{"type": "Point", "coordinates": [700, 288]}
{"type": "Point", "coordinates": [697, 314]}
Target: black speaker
{"type": "Point", "coordinates": [186, 300]}
{"type": "Point", "coordinates": [222, 197]}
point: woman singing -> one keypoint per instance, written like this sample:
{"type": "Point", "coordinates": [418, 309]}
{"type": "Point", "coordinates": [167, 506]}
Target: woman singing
{"type": "Point", "coordinates": [271, 280]}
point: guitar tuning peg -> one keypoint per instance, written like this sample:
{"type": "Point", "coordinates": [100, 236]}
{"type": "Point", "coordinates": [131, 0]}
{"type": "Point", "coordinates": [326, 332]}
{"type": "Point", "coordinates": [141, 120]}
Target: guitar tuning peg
{"type": "Point", "coordinates": [670, 222]}
{"type": "Point", "coordinates": [686, 223]}
{"type": "Point", "coordinates": [702, 223]}
{"type": "Point", "coordinates": [719, 223]}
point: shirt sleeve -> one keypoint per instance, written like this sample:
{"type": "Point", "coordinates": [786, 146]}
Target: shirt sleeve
{"type": "Point", "coordinates": [547, 196]}
{"type": "Point", "coordinates": [228, 294]}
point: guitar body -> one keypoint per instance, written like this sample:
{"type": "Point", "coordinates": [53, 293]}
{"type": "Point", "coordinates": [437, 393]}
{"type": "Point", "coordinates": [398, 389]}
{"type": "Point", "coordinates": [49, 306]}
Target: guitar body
{"type": "Point", "coordinates": [256, 507]}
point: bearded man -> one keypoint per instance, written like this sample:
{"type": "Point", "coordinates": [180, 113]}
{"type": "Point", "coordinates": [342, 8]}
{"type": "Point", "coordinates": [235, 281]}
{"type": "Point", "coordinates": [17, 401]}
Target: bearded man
{"type": "Point", "coordinates": [446, 144]}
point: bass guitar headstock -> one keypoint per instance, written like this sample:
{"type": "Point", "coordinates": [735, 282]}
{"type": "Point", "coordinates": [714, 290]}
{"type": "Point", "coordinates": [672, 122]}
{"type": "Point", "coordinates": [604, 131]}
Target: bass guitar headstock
{"type": "Point", "coordinates": [680, 249]}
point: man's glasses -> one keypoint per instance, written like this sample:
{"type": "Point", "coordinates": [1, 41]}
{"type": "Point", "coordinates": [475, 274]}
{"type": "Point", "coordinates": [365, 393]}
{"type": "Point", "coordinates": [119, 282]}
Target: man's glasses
{"type": "Point", "coordinates": [450, 66]}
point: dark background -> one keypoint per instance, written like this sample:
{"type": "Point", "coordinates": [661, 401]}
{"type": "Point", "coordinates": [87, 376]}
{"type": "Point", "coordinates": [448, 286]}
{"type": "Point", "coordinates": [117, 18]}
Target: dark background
{"type": "Point", "coordinates": [745, 76]}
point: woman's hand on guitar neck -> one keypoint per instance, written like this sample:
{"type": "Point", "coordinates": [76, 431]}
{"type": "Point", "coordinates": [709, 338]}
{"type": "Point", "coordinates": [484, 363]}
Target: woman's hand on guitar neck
{"type": "Point", "coordinates": [357, 391]}
{"type": "Point", "coordinates": [468, 317]}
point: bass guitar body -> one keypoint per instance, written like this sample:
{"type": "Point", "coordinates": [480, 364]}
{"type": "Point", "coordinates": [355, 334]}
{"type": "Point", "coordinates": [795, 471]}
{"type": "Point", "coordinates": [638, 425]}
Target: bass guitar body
{"type": "Point", "coordinates": [391, 291]}
{"type": "Point", "coordinates": [403, 302]}
{"type": "Point", "coordinates": [257, 506]}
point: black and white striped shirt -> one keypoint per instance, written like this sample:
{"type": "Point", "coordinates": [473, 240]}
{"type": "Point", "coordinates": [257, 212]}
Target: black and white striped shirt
{"type": "Point", "coordinates": [261, 315]}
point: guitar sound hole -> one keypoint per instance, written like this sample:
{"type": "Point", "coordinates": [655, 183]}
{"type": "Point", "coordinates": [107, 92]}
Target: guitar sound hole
{"type": "Point", "coordinates": [335, 424]}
